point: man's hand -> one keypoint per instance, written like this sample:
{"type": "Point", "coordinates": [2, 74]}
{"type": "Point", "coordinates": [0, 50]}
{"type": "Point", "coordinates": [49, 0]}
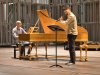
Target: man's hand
{"type": "Point", "coordinates": [61, 18]}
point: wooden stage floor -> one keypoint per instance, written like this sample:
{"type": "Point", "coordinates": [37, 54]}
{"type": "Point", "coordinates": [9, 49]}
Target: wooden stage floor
{"type": "Point", "coordinates": [41, 66]}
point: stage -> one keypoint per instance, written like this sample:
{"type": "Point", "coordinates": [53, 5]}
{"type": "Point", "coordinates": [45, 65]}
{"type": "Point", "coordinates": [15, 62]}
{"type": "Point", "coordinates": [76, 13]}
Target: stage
{"type": "Point", "coordinates": [41, 66]}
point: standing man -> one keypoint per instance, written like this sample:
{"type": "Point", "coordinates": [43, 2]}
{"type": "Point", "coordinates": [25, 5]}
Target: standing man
{"type": "Point", "coordinates": [72, 32]}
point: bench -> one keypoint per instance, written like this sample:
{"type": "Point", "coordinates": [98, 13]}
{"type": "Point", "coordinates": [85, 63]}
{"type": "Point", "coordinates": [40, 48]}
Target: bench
{"type": "Point", "coordinates": [16, 48]}
{"type": "Point", "coordinates": [96, 46]}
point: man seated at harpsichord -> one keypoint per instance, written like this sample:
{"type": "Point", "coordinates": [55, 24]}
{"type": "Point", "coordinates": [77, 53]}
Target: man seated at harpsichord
{"type": "Point", "coordinates": [19, 30]}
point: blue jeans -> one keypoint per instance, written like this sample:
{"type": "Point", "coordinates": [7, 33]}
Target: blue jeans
{"type": "Point", "coordinates": [71, 43]}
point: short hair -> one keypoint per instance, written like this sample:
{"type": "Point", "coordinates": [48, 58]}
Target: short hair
{"type": "Point", "coordinates": [65, 8]}
{"type": "Point", "coordinates": [18, 22]}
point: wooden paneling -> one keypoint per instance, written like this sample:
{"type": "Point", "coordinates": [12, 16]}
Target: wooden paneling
{"type": "Point", "coordinates": [87, 12]}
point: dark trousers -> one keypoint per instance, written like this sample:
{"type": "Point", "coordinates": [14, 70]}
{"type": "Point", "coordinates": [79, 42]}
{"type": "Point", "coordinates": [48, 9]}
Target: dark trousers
{"type": "Point", "coordinates": [71, 43]}
{"type": "Point", "coordinates": [22, 52]}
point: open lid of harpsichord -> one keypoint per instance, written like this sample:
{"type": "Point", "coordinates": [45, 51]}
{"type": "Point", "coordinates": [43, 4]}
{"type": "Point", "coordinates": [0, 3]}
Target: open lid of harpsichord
{"type": "Point", "coordinates": [47, 22]}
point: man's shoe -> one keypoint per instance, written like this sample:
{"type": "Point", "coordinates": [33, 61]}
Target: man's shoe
{"type": "Point", "coordinates": [69, 63]}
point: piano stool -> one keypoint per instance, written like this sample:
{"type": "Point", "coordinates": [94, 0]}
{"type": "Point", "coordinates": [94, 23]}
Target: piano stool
{"type": "Point", "coordinates": [16, 48]}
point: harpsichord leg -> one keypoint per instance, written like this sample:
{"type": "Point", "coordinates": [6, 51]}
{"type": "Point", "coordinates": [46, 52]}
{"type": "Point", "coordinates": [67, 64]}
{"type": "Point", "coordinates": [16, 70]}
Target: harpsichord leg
{"type": "Point", "coordinates": [46, 55]}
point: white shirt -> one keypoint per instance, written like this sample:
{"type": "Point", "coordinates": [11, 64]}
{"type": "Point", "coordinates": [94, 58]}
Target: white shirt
{"type": "Point", "coordinates": [16, 32]}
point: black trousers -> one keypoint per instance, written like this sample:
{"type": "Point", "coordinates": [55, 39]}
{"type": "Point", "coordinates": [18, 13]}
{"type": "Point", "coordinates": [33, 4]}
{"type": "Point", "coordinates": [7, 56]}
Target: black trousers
{"type": "Point", "coordinates": [22, 52]}
{"type": "Point", "coordinates": [71, 43]}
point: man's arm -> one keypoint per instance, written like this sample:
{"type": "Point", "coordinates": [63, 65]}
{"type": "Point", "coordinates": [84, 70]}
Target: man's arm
{"type": "Point", "coordinates": [24, 31]}
{"type": "Point", "coordinates": [68, 21]}
{"type": "Point", "coordinates": [14, 34]}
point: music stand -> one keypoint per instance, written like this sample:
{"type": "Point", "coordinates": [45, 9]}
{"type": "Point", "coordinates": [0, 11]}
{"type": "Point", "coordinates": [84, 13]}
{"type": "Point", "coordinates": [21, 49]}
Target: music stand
{"type": "Point", "coordinates": [56, 28]}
